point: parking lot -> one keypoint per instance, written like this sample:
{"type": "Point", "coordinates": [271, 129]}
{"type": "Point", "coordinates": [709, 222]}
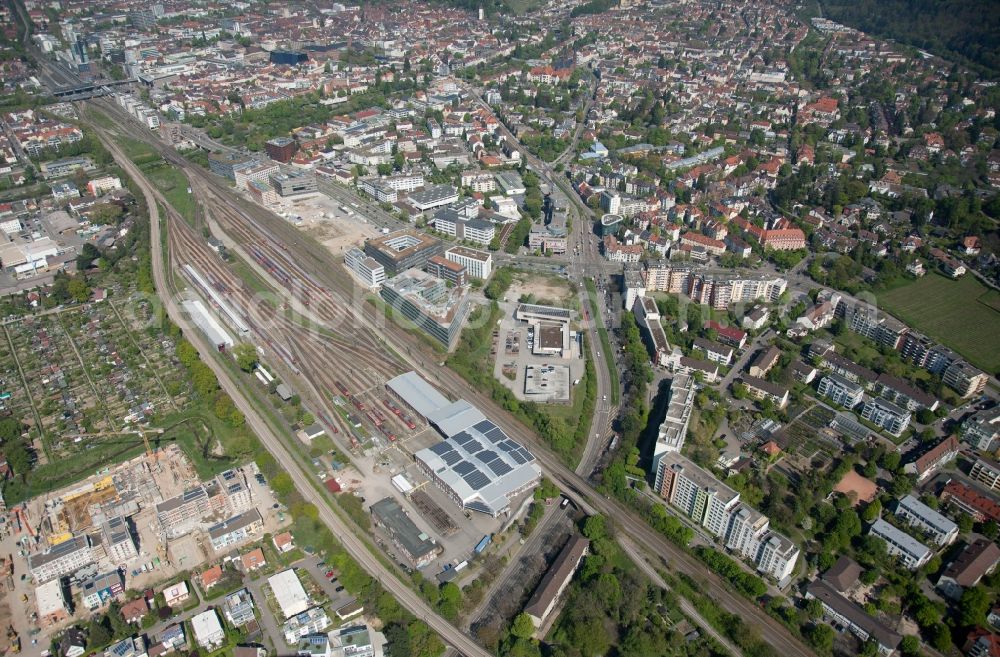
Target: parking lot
{"type": "Point", "coordinates": [513, 343]}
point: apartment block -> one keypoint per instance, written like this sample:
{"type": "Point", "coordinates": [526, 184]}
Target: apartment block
{"type": "Point", "coordinates": [698, 494]}
{"type": "Point", "coordinates": [982, 430]}
{"type": "Point", "coordinates": [912, 553]}
{"type": "Point", "coordinates": [841, 390]}
{"type": "Point", "coordinates": [746, 531]}
{"type": "Point", "coordinates": [777, 556]}
{"type": "Point", "coordinates": [965, 379]}
{"type": "Point", "coordinates": [987, 473]}
{"type": "Point", "coordinates": [61, 559]}
{"type": "Point", "coordinates": [117, 539]}
{"type": "Point", "coordinates": [235, 530]}
{"type": "Point", "coordinates": [673, 430]}
{"type": "Point", "coordinates": [918, 514]}
{"type": "Point", "coordinates": [180, 514]}
{"type": "Point", "coordinates": [887, 415]}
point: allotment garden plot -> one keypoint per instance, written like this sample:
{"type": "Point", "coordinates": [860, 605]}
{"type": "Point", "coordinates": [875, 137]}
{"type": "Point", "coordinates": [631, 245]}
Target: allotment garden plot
{"type": "Point", "coordinates": [89, 373]}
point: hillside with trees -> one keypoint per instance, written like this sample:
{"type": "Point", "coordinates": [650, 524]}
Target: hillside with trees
{"type": "Point", "coordinates": [965, 30]}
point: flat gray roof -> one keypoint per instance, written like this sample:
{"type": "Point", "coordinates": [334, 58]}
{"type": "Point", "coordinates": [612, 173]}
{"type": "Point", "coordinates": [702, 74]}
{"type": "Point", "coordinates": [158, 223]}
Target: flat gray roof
{"type": "Point", "coordinates": [415, 391]}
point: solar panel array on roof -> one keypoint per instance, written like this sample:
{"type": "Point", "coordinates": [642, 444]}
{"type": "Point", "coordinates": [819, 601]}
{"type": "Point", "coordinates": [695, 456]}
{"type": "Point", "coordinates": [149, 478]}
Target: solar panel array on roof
{"type": "Point", "coordinates": [481, 466]}
{"type": "Point", "coordinates": [500, 468]}
{"type": "Point", "coordinates": [464, 467]}
{"type": "Point", "coordinates": [476, 479]}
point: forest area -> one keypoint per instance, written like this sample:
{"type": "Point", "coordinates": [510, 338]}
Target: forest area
{"type": "Point", "coordinates": [966, 30]}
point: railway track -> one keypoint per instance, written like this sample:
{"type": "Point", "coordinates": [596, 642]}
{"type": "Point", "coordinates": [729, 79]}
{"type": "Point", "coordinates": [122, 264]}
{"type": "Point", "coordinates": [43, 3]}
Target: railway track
{"type": "Point", "coordinates": [332, 299]}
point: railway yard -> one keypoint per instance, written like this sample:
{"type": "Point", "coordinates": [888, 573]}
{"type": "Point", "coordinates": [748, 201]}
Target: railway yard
{"type": "Point", "coordinates": [322, 316]}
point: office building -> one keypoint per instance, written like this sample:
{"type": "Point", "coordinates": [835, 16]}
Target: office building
{"type": "Point", "coordinates": [433, 197]}
{"type": "Point", "coordinates": [294, 183]}
{"type": "Point", "coordinates": [426, 301]}
{"type": "Point", "coordinates": [478, 264]}
{"type": "Point", "coordinates": [912, 553]}
{"type": "Point", "coordinates": [447, 270]}
{"type": "Point", "coordinates": [403, 250]}
{"type": "Point", "coordinates": [365, 268]}
{"type": "Point", "coordinates": [281, 149]}
{"type": "Point", "coordinates": [261, 173]}
{"type": "Point", "coordinates": [288, 57]}
{"type": "Point", "coordinates": [226, 164]}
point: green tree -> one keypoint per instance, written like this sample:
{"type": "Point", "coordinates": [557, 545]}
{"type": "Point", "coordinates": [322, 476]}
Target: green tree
{"type": "Point", "coordinates": [246, 356]}
{"type": "Point", "coordinates": [820, 637]}
{"type": "Point", "coordinates": [872, 511]}
{"type": "Point", "coordinates": [973, 606]}
{"type": "Point", "coordinates": [522, 627]}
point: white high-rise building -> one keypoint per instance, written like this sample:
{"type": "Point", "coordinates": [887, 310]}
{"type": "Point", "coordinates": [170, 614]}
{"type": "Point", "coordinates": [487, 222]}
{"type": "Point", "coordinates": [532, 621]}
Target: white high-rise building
{"type": "Point", "coordinates": [478, 264]}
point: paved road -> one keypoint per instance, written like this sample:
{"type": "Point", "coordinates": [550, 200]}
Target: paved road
{"type": "Point", "coordinates": [742, 361]}
{"type": "Point", "coordinates": [414, 351]}
{"type": "Point", "coordinates": [354, 545]}
{"type": "Point", "coordinates": [268, 622]}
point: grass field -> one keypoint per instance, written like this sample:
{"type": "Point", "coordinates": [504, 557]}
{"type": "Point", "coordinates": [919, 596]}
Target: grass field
{"type": "Point", "coordinates": [961, 314]}
{"type": "Point", "coordinates": [174, 185]}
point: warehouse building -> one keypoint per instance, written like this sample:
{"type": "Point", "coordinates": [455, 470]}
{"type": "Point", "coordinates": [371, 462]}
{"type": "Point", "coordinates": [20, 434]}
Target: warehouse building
{"type": "Point", "coordinates": [477, 464]}
{"type": "Point", "coordinates": [415, 545]}
{"type": "Point", "coordinates": [415, 394]}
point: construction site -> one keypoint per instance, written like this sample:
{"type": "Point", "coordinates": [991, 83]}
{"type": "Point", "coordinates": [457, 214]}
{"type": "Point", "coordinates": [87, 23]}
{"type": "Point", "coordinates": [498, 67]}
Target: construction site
{"type": "Point", "coordinates": [143, 521]}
